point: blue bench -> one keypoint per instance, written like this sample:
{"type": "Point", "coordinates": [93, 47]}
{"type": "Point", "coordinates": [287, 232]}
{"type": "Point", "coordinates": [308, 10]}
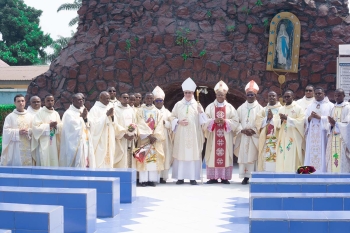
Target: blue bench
{"type": "Point", "coordinates": [79, 204]}
{"type": "Point", "coordinates": [300, 201]}
{"type": "Point", "coordinates": [107, 189]}
{"type": "Point", "coordinates": [300, 185]}
{"type": "Point", "coordinates": [127, 176]}
{"type": "Point", "coordinates": [5, 231]}
{"type": "Point", "coordinates": [299, 221]}
{"type": "Point", "coordinates": [294, 175]}
{"type": "Point", "coordinates": [31, 218]}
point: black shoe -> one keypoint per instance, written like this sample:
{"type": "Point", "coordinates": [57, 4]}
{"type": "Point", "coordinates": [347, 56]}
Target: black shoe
{"type": "Point", "coordinates": [153, 184]}
{"type": "Point", "coordinates": [144, 184]}
{"type": "Point", "coordinates": [180, 182]}
{"type": "Point", "coordinates": [193, 182]}
{"type": "Point", "coordinates": [245, 180]}
{"type": "Point", "coordinates": [162, 181]}
{"type": "Point", "coordinates": [225, 181]}
{"type": "Point", "coordinates": [212, 181]}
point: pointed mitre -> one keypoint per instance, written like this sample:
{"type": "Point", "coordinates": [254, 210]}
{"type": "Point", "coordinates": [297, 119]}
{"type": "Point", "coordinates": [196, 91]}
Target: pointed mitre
{"type": "Point", "coordinates": [252, 86]}
{"type": "Point", "coordinates": [188, 85]}
{"type": "Point", "coordinates": [158, 93]}
{"type": "Point", "coordinates": [221, 86]}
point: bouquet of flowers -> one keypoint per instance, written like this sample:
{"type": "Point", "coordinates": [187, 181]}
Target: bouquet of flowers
{"type": "Point", "coordinates": [306, 170]}
{"type": "Point", "coordinates": [140, 153]}
{"type": "Point", "coordinates": [131, 129]}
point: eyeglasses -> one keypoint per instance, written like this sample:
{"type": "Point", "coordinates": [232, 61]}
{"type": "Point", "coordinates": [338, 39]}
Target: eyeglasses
{"type": "Point", "coordinates": [250, 95]}
{"type": "Point", "coordinates": [111, 91]}
{"type": "Point", "coordinates": [308, 90]}
{"type": "Point", "coordinates": [158, 101]}
{"type": "Point", "coordinates": [187, 93]}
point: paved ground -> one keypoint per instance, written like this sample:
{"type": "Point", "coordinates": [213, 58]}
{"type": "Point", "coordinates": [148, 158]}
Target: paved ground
{"type": "Point", "coordinates": [184, 208]}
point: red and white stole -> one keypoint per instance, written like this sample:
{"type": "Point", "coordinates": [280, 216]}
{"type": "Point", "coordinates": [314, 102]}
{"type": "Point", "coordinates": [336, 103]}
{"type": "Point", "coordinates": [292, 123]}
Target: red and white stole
{"type": "Point", "coordinates": [220, 141]}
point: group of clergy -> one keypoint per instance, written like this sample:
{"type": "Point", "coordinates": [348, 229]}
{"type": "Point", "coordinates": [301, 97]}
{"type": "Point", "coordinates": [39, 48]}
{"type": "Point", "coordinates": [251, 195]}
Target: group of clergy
{"type": "Point", "coordinates": [127, 133]}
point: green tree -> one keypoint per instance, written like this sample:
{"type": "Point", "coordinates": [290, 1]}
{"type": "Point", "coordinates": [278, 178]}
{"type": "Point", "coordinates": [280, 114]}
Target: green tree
{"type": "Point", "coordinates": [75, 6]}
{"type": "Point", "coordinates": [23, 41]}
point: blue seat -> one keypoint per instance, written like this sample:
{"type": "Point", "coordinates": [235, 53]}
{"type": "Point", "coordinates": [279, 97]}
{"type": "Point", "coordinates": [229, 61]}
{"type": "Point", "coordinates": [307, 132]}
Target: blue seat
{"type": "Point", "coordinates": [127, 176]}
{"type": "Point", "coordinates": [107, 189]}
{"type": "Point", "coordinates": [5, 231]}
{"type": "Point", "coordinates": [31, 218]}
{"type": "Point", "coordinates": [79, 204]}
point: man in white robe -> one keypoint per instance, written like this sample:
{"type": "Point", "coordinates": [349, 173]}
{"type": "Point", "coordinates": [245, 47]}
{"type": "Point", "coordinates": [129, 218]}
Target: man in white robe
{"type": "Point", "coordinates": [316, 122]}
{"type": "Point", "coordinates": [220, 128]}
{"type": "Point", "coordinates": [33, 108]}
{"type": "Point", "coordinates": [46, 131]}
{"type": "Point", "coordinates": [76, 148]}
{"type": "Point", "coordinates": [124, 117]}
{"type": "Point", "coordinates": [338, 146]}
{"type": "Point", "coordinates": [151, 135]}
{"type": "Point", "coordinates": [186, 118]}
{"type": "Point", "coordinates": [132, 99]}
{"type": "Point", "coordinates": [247, 140]}
{"type": "Point", "coordinates": [289, 122]}
{"type": "Point", "coordinates": [159, 97]}
{"type": "Point", "coordinates": [268, 134]}
{"type": "Point", "coordinates": [308, 99]}
{"type": "Point", "coordinates": [16, 148]}
{"type": "Point", "coordinates": [113, 94]}
{"type": "Point", "coordinates": [101, 121]}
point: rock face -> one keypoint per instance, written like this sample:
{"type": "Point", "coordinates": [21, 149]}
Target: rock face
{"type": "Point", "coordinates": [134, 46]}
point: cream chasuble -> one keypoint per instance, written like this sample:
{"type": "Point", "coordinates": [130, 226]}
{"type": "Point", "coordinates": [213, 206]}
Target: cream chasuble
{"type": "Point", "coordinates": [35, 153]}
{"type": "Point", "coordinates": [46, 139]}
{"type": "Point", "coordinates": [219, 149]}
{"type": "Point", "coordinates": [102, 134]}
{"type": "Point", "coordinates": [247, 147]}
{"type": "Point", "coordinates": [290, 137]}
{"type": "Point", "coordinates": [316, 135]}
{"type": "Point", "coordinates": [124, 116]}
{"type": "Point", "coordinates": [304, 102]}
{"type": "Point", "coordinates": [167, 143]}
{"type": "Point", "coordinates": [267, 139]}
{"type": "Point", "coordinates": [16, 148]}
{"type": "Point", "coordinates": [338, 146]}
{"type": "Point", "coordinates": [188, 140]}
{"type": "Point", "coordinates": [150, 121]}
{"type": "Point", "coordinates": [76, 148]}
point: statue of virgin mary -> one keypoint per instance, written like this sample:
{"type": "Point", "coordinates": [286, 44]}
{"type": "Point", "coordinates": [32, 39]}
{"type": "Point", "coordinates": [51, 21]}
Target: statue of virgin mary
{"type": "Point", "coordinates": [282, 46]}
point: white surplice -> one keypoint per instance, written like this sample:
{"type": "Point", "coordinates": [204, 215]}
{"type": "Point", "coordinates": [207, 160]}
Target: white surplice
{"type": "Point", "coordinates": [35, 153]}
{"type": "Point", "coordinates": [16, 148]}
{"type": "Point", "coordinates": [188, 140]}
{"type": "Point", "coordinates": [167, 143]}
{"type": "Point", "coordinates": [305, 102]}
{"type": "Point", "coordinates": [46, 139]}
{"type": "Point", "coordinates": [76, 145]}
{"type": "Point", "coordinates": [102, 134]}
{"type": "Point", "coordinates": [316, 135]}
{"type": "Point", "coordinates": [338, 146]}
{"type": "Point", "coordinates": [247, 147]}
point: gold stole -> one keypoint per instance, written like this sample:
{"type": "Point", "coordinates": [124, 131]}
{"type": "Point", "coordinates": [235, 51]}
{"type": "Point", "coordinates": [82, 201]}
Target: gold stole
{"type": "Point", "coordinates": [336, 143]}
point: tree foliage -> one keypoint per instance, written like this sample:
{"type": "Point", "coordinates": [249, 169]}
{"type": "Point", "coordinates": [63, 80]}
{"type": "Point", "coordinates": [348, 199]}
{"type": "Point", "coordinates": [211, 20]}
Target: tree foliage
{"type": "Point", "coordinates": [23, 41]}
{"type": "Point", "coordinates": [75, 6]}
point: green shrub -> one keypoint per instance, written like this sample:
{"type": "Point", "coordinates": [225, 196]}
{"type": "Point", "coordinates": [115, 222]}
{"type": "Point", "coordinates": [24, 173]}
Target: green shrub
{"type": "Point", "coordinates": [5, 109]}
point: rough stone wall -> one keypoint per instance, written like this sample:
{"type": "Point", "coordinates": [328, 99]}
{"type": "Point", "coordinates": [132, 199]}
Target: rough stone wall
{"type": "Point", "coordinates": [99, 55]}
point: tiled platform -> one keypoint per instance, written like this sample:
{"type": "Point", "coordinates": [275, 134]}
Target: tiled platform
{"type": "Point", "coordinates": [175, 208]}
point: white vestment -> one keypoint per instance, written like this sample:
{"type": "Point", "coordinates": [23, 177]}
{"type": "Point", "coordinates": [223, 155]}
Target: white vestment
{"type": "Point", "coordinates": [338, 146]}
{"type": "Point", "coordinates": [76, 148]}
{"type": "Point", "coordinates": [304, 102]}
{"type": "Point", "coordinates": [316, 135]}
{"type": "Point", "coordinates": [16, 148]}
{"type": "Point", "coordinates": [247, 147]}
{"type": "Point", "coordinates": [102, 134]}
{"type": "Point", "coordinates": [188, 140]}
{"type": "Point", "coordinates": [46, 139]}
{"type": "Point", "coordinates": [167, 143]}
{"type": "Point", "coordinates": [35, 152]}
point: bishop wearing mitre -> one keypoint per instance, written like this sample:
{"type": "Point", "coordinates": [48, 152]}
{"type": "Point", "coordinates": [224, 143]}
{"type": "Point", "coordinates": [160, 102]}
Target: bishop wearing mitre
{"type": "Point", "coordinates": [219, 129]}
{"type": "Point", "coordinates": [186, 118]}
{"type": "Point", "coordinates": [247, 141]}
{"type": "Point", "coordinates": [159, 97]}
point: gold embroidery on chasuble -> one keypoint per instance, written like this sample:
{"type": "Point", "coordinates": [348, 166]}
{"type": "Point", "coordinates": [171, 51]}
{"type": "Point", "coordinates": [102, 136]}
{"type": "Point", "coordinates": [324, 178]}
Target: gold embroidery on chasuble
{"type": "Point", "coordinates": [24, 145]}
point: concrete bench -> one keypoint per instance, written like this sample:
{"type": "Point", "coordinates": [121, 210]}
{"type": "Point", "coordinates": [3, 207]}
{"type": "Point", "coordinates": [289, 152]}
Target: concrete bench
{"type": "Point", "coordinates": [299, 221]}
{"type": "Point", "coordinates": [79, 204]}
{"type": "Point", "coordinates": [300, 201]}
{"type": "Point", "coordinates": [127, 176]}
{"type": "Point", "coordinates": [300, 185]}
{"type": "Point", "coordinates": [31, 218]}
{"type": "Point", "coordinates": [294, 175]}
{"type": "Point", "coordinates": [107, 189]}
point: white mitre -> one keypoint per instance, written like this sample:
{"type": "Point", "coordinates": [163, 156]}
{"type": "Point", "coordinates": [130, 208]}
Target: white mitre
{"type": "Point", "coordinates": [221, 86]}
{"type": "Point", "coordinates": [252, 86]}
{"type": "Point", "coordinates": [158, 93]}
{"type": "Point", "coordinates": [188, 85]}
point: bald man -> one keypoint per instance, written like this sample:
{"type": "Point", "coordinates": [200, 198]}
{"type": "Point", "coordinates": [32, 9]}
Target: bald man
{"type": "Point", "coordinates": [76, 145]}
{"type": "Point", "coordinates": [35, 105]}
{"type": "Point", "coordinates": [102, 131]}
